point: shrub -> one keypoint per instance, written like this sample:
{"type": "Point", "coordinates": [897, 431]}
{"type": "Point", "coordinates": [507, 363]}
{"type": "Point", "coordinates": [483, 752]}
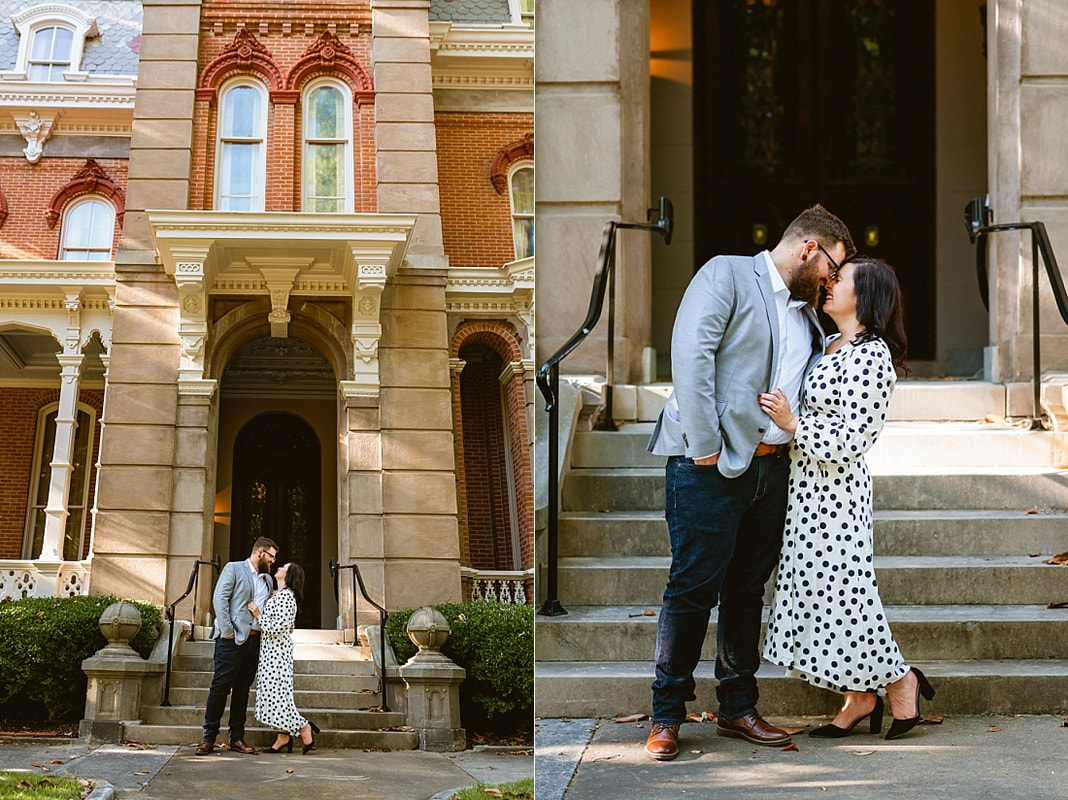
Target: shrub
{"type": "Point", "coordinates": [43, 641]}
{"type": "Point", "coordinates": [494, 642]}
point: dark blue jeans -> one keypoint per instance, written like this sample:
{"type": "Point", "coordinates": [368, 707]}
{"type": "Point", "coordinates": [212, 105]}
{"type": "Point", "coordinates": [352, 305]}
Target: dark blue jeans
{"type": "Point", "coordinates": [725, 539]}
{"type": "Point", "coordinates": [235, 670]}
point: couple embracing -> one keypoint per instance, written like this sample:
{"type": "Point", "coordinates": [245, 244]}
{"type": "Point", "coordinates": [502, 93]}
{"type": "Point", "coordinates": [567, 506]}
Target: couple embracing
{"type": "Point", "coordinates": [765, 435]}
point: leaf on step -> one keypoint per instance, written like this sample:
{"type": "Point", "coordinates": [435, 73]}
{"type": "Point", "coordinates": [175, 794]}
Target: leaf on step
{"type": "Point", "coordinates": [1060, 558]}
{"type": "Point", "coordinates": [935, 719]}
{"type": "Point", "coordinates": [791, 731]}
{"type": "Point", "coordinates": [863, 752]}
{"type": "Point", "coordinates": [632, 718]}
{"type": "Point", "coordinates": [1057, 605]}
{"type": "Point", "coordinates": [1033, 511]}
{"type": "Point", "coordinates": [1033, 555]}
{"type": "Point", "coordinates": [792, 746]}
{"type": "Point", "coordinates": [695, 718]}
{"type": "Point", "coordinates": [696, 752]}
{"type": "Point", "coordinates": [993, 729]}
{"type": "Point", "coordinates": [289, 770]}
{"type": "Point", "coordinates": [142, 772]}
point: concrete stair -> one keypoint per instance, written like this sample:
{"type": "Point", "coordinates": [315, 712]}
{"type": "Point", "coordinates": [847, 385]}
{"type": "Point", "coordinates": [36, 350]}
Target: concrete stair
{"type": "Point", "coordinates": [967, 512]}
{"type": "Point", "coordinates": [334, 684]}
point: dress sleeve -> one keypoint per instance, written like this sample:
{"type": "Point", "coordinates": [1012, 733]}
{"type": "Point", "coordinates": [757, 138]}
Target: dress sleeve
{"type": "Point", "coordinates": [279, 613]}
{"type": "Point", "coordinates": [863, 387]}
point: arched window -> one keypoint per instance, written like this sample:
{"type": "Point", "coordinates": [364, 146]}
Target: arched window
{"type": "Point", "coordinates": [88, 230]}
{"type": "Point", "coordinates": [327, 162]}
{"type": "Point", "coordinates": [241, 161]}
{"type": "Point", "coordinates": [41, 479]}
{"type": "Point", "coordinates": [521, 194]}
{"type": "Point", "coordinates": [50, 54]}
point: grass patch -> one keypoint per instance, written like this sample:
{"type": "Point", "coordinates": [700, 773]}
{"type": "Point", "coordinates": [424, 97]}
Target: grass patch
{"type": "Point", "coordinates": [25, 785]}
{"type": "Point", "coordinates": [520, 790]}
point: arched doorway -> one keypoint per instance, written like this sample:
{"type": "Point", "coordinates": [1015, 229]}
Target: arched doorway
{"type": "Point", "coordinates": [276, 490]}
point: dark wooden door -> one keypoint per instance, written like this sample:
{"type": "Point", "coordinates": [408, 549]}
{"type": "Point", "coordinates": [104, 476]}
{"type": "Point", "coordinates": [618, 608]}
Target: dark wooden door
{"type": "Point", "coordinates": [276, 493]}
{"type": "Point", "coordinates": [830, 101]}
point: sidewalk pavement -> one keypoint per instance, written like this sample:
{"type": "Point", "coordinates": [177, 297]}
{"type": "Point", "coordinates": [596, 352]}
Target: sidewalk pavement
{"type": "Point", "coordinates": [149, 772]}
{"type": "Point", "coordinates": [964, 757]}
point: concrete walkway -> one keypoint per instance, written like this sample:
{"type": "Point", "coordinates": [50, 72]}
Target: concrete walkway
{"type": "Point", "coordinates": [588, 759]}
{"type": "Point", "coordinates": [177, 773]}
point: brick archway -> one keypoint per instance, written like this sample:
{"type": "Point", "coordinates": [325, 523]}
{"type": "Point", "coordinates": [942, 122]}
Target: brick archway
{"type": "Point", "coordinates": [478, 459]}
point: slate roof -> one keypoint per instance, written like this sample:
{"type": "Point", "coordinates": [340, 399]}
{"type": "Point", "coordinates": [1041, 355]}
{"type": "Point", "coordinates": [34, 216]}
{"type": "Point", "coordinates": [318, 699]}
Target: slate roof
{"type": "Point", "coordinates": [482, 12]}
{"type": "Point", "coordinates": [113, 52]}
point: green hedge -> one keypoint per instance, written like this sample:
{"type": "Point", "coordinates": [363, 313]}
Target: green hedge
{"type": "Point", "coordinates": [43, 641]}
{"type": "Point", "coordinates": [494, 642]}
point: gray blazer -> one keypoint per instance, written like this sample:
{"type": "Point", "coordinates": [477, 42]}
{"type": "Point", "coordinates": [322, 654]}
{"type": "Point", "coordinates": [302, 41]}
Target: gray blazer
{"type": "Point", "coordinates": [724, 346]}
{"type": "Point", "coordinates": [234, 591]}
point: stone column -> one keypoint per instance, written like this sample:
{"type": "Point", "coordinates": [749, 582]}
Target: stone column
{"type": "Point", "coordinates": [592, 97]}
{"type": "Point", "coordinates": [56, 512]}
{"type": "Point", "coordinates": [406, 145]}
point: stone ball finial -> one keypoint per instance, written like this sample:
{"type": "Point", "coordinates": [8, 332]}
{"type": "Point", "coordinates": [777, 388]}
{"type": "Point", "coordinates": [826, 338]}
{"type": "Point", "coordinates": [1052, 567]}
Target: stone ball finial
{"type": "Point", "coordinates": [428, 629]}
{"type": "Point", "coordinates": [119, 623]}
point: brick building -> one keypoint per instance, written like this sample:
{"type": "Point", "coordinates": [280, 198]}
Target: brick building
{"type": "Point", "coordinates": [267, 268]}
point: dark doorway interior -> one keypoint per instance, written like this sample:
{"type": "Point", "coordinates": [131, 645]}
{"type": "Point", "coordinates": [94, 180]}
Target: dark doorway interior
{"type": "Point", "coordinates": [276, 493]}
{"type": "Point", "coordinates": [804, 101]}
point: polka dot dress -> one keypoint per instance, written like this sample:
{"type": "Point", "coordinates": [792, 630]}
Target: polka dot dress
{"type": "Point", "coordinates": [274, 683]}
{"type": "Point", "coordinates": [827, 624]}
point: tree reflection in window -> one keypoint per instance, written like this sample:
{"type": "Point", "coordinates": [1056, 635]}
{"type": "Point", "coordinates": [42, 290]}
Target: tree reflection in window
{"type": "Point", "coordinates": [257, 502]}
{"type": "Point", "coordinates": [760, 147]}
{"type": "Point", "coordinates": [872, 114]}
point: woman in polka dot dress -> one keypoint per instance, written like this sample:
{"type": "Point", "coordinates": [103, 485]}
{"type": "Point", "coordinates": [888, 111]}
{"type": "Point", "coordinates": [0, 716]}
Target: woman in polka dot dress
{"type": "Point", "coordinates": [274, 682]}
{"type": "Point", "coordinates": [827, 623]}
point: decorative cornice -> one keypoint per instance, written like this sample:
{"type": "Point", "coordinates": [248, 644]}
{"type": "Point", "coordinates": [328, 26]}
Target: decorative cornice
{"type": "Point", "coordinates": [95, 95]}
{"type": "Point", "coordinates": [329, 55]}
{"type": "Point", "coordinates": [244, 54]}
{"type": "Point", "coordinates": [90, 179]}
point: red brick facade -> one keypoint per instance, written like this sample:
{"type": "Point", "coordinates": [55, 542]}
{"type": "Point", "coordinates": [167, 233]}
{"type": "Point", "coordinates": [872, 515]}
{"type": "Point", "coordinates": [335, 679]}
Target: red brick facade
{"type": "Point", "coordinates": [476, 221]}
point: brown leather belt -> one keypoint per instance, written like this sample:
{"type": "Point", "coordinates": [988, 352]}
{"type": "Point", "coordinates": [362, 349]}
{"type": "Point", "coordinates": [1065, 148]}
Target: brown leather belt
{"type": "Point", "coordinates": [768, 449]}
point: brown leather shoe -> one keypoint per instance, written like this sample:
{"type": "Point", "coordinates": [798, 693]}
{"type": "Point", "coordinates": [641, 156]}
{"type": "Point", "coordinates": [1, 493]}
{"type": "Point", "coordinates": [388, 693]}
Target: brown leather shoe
{"type": "Point", "coordinates": [753, 729]}
{"type": "Point", "coordinates": [205, 748]}
{"type": "Point", "coordinates": [663, 741]}
{"type": "Point", "coordinates": [240, 746]}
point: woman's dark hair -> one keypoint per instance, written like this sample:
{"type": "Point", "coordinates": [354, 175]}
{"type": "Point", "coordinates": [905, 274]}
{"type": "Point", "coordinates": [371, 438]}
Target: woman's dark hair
{"type": "Point", "coordinates": [880, 306]}
{"type": "Point", "coordinates": [295, 582]}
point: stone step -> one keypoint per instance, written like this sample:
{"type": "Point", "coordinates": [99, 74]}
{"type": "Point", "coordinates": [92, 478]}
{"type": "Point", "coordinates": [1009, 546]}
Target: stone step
{"type": "Point", "coordinates": [337, 698]}
{"type": "Point", "coordinates": [263, 737]}
{"type": "Point", "coordinates": [986, 488]}
{"type": "Point", "coordinates": [331, 682]}
{"type": "Point", "coordinates": [942, 400]}
{"type": "Point", "coordinates": [957, 532]}
{"type": "Point", "coordinates": [325, 718]}
{"type": "Point", "coordinates": [969, 687]}
{"type": "Point", "coordinates": [302, 651]}
{"type": "Point", "coordinates": [903, 580]}
{"type": "Point", "coordinates": [624, 633]}
{"type": "Point", "coordinates": [902, 444]}
{"type": "Point", "coordinates": [314, 666]}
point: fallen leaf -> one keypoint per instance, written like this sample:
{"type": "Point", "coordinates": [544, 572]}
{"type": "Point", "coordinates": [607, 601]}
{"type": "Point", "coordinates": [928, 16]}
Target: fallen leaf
{"type": "Point", "coordinates": [56, 761]}
{"type": "Point", "coordinates": [649, 613]}
{"type": "Point", "coordinates": [935, 719]}
{"type": "Point", "coordinates": [1057, 605]}
{"type": "Point", "coordinates": [863, 752]}
{"type": "Point", "coordinates": [1033, 511]}
{"type": "Point", "coordinates": [792, 731]}
{"type": "Point", "coordinates": [1060, 558]}
{"type": "Point", "coordinates": [1065, 723]}
{"type": "Point", "coordinates": [993, 729]}
{"type": "Point", "coordinates": [23, 785]}
{"type": "Point", "coordinates": [696, 752]}
{"type": "Point", "coordinates": [289, 770]}
{"type": "Point", "coordinates": [1033, 555]}
{"type": "Point", "coordinates": [494, 792]}
{"type": "Point", "coordinates": [695, 717]}
{"type": "Point", "coordinates": [142, 772]}
{"type": "Point", "coordinates": [632, 718]}
{"type": "Point", "coordinates": [792, 746]}
{"type": "Point", "coordinates": [608, 758]}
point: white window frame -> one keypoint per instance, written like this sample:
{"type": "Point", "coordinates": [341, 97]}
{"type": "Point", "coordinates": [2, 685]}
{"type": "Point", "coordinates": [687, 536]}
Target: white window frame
{"type": "Point", "coordinates": [306, 142]}
{"type": "Point", "coordinates": [28, 22]}
{"type": "Point", "coordinates": [525, 163]}
{"type": "Point", "coordinates": [64, 229]}
{"type": "Point", "coordinates": [259, 178]}
{"type": "Point", "coordinates": [35, 477]}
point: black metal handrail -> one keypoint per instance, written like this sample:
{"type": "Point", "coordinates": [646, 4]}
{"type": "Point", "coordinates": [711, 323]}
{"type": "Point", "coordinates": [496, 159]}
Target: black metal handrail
{"type": "Point", "coordinates": [383, 615]}
{"type": "Point", "coordinates": [194, 581]}
{"type": "Point", "coordinates": [549, 375]}
{"type": "Point", "coordinates": [978, 217]}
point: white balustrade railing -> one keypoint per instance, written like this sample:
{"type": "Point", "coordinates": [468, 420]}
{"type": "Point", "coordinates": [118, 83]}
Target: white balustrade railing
{"type": "Point", "coordinates": [26, 578]}
{"type": "Point", "coordinates": [502, 586]}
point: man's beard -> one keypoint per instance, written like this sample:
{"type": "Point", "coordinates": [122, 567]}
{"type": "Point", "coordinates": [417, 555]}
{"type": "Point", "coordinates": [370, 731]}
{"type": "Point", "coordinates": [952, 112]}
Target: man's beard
{"type": "Point", "coordinates": [805, 282]}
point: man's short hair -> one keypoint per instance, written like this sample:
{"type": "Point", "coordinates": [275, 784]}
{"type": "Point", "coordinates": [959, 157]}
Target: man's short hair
{"type": "Point", "coordinates": [263, 543]}
{"type": "Point", "coordinates": [820, 224]}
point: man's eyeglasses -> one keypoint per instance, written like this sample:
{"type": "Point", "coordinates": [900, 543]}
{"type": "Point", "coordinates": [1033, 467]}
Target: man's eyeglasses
{"type": "Point", "coordinates": [837, 267]}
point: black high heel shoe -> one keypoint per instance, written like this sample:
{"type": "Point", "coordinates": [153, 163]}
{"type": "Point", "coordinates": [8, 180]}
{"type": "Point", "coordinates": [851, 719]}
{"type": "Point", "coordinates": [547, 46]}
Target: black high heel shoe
{"type": "Point", "coordinates": [899, 727]}
{"type": "Point", "coordinates": [832, 731]}
{"type": "Point", "coordinates": [310, 745]}
{"type": "Point", "coordinates": [315, 728]}
{"type": "Point", "coordinates": [287, 747]}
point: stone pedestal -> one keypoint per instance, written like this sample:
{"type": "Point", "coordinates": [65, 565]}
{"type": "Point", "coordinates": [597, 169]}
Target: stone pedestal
{"type": "Point", "coordinates": [115, 675]}
{"type": "Point", "coordinates": [433, 683]}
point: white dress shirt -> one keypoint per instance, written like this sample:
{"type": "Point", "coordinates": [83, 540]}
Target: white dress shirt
{"type": "Point", "coordinates": [795, 348]}
{"type": "Point", "coordinates": [261, 582]}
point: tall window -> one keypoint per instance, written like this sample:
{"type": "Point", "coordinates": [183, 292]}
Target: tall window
{"type": "Point", "coordinates": [50, 54]}
{"type": "Point", "coordinates": [521, 192]}
{"type": "Point", "coordinates": [242, 151]}
{"type": "Point", "coordinates": [77, 499]}
{"type": "Point", "coordinates": [88, 231]}
{"type": "Point", "coordinates": [328, 148]}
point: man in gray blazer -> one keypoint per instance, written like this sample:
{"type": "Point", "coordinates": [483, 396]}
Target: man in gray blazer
{"type": "Point", "coordinates": [746, 325]}
{"type": "Point", "coordinates": [237, 643]}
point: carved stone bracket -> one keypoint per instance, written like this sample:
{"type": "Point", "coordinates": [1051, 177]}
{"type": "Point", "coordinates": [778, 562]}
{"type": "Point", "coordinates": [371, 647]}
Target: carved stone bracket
{"type": "Point", "coordinates": [193, 311]}
{"type": "Point", "coordinates": [35, 129]}
{"type": "Point", "coordinates": [279, 283]}
{"type": "Point", "coordinates": [72, 301]}
{"type": "Point", "coordinates": [371, 276]}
